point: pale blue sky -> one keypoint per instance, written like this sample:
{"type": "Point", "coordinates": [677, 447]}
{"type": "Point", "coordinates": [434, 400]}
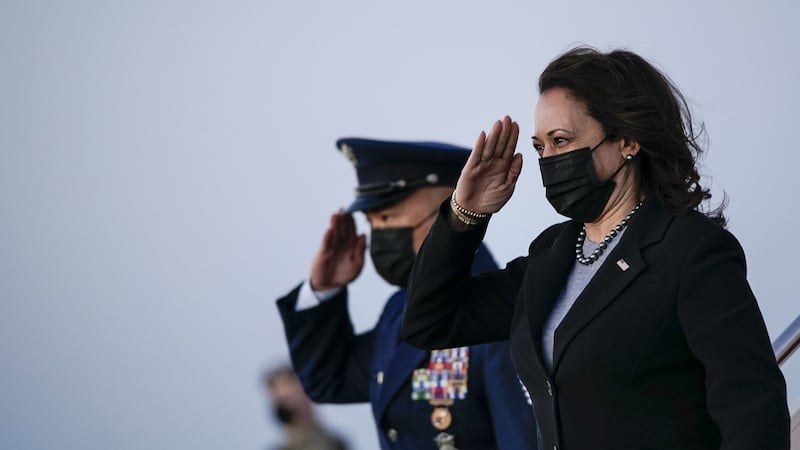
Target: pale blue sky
{"type": "Point", "coordinates": [167, 169]}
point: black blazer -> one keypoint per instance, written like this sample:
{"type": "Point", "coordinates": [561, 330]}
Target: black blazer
{"type": "Point", "coordinates": [668, 353]}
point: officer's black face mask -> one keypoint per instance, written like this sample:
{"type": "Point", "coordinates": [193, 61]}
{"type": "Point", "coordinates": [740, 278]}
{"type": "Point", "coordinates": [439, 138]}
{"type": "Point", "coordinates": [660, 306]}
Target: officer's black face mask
{"type": "Point", "coordinates": [392, 252]}
{"type": "Point", "coordinates": [572, 186]}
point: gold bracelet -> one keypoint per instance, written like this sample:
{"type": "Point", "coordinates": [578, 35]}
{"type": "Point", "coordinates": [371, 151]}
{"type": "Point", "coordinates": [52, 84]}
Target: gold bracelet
{"type": "Point", "coordinates": [465, 215]}
{"type": "Point", "coordinates": [464, 219]}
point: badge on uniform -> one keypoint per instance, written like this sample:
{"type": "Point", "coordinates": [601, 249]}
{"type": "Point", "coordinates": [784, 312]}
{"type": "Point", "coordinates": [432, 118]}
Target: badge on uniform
{"type": "Point", "coordinates": [441, 384]}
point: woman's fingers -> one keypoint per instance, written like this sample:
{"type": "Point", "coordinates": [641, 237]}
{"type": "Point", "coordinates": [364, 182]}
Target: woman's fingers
{"type": "Point", "coordinates": [514, 170]}
{"type": "Point", "coordinates": [501, 141]}
{"type": "Point", "coordinates": [503, 136]}
{"type": "Point", "coordinates": [476, 155]}
{"type": "Point", "coordinates": [510, 146]}
{"type": "Point", "coordinates": [491, 164]}
{"type": "Point", "coordinates": [491, 141]}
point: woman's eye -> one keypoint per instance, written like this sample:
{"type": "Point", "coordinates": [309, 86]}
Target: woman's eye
{"type": "Point", "coordinates": [539, 148]}
{"type": "Point", "coordinates": [560, 140]}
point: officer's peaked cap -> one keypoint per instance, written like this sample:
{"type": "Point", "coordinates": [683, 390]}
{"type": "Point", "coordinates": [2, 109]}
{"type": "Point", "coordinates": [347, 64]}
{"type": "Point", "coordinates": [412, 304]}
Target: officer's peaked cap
{"type": "Point", "coordinates": [389, 171]}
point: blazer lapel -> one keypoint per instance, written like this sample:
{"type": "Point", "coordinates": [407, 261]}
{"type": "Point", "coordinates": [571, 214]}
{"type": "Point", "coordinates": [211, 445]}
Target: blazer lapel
{"type": "Point", "coordinates": [621, 266]}
{"type": "Point", "coordinates": [544, 280]}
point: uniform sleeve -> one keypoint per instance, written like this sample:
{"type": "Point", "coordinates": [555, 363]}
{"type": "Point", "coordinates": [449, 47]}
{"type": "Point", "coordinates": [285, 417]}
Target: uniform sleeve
{"type": "Point", "coordinates": [446, 306]}
{"type": "Point", "coordinates": [726, 332]}
{"type": "Point", "coordinates": [512, 415]}
{"type": "Point", "coordinates": [330, 359]}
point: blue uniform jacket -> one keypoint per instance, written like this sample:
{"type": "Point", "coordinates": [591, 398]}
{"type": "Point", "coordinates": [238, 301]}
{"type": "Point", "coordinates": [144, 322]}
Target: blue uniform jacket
{"type": "Point", "coordinates": [338, 366]}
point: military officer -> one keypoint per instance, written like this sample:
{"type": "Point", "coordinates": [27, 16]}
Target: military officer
{"type": "Point", "coordinates": [462, 398]}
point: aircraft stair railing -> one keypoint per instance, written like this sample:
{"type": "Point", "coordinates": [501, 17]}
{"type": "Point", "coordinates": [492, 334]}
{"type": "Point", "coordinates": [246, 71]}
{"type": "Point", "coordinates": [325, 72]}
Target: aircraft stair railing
{"type": "Point", "coordinates": [785, 347]}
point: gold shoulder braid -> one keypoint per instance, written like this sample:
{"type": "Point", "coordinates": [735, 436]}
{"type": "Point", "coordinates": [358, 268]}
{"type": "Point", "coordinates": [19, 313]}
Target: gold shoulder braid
{"type": "Point", "coordinates": [441, 384]}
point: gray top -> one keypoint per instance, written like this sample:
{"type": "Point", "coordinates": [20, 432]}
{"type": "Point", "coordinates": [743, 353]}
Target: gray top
{"type": "Point", "coordinates": [578, 278]}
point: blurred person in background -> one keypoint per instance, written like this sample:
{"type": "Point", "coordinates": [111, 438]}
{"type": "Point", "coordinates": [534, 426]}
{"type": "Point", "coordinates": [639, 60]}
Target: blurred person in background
{"type": "Point", "coordinates": [294, 411]}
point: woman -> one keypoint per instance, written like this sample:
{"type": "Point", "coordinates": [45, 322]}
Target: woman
{"type": "Point", "coordinates": [632, 324]}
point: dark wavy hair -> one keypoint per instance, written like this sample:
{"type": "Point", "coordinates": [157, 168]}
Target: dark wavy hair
{"type": "Point", "coordinates": [633, 99]}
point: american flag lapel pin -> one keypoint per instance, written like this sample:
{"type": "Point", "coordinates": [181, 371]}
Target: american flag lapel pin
{"type": "Point", "coordinates": [623, 265]}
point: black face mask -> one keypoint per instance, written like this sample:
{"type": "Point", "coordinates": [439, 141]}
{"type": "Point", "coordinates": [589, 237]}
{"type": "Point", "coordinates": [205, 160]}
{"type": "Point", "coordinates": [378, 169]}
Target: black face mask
{"type": "Point", "coordinates": [392, 252]}
{"type": "Point", "coordinates": [572, 187]}
{"type": "Point", "coordinates": [284, 414]}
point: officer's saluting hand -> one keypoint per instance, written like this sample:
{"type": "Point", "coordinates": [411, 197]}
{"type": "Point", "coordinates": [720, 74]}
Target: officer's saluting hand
{"type": "Point", "coordinates": [341, 255]}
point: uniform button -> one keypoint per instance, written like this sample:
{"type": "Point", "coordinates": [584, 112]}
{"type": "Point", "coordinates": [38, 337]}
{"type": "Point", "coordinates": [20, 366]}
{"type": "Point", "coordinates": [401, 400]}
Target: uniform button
{"type": "Point", "coordinates": [391, 433]}
{"type": "Point", "coordinates": [379, 379]}
{"type": "Point", "coordinates": [550, 392]}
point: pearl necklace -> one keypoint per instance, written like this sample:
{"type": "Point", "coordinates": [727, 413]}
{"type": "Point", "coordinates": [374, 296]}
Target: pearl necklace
{"type": "Point", "coordinates": [587, 260]}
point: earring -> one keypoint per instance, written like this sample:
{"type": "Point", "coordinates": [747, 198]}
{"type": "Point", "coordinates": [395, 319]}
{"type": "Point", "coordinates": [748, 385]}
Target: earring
{"type": "Point", "coordinates": [628, 157]}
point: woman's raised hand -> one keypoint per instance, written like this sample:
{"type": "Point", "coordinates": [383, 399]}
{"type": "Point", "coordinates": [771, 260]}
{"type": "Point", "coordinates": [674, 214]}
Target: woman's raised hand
{"type": "Point", "coordinates": [491, 172]}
